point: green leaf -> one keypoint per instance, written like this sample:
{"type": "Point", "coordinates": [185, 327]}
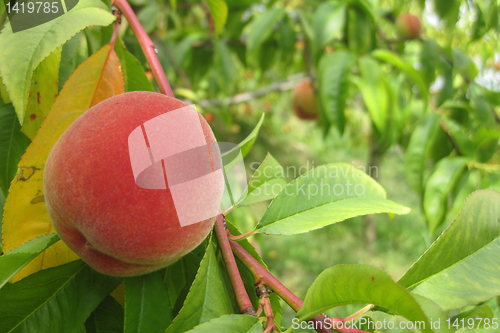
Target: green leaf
{"type": "Point", "coordinates": [74, 52]}
{"type": "Point", "coordinates": [329, 20]}
{"type": "Point", "coordinates": [461, 267]}
{"type": "Point", "coordinates": [173, 4]}
{"type": "Point", "coordinates": [489, 10]}
{"type": "Point", "coordinates": [439, 185]}
{"type": "Point", "coordinates": [459, 136]}
{"type": "Point", "coordinates": [418, 149]}
{"type": "Point", "coordinates": [43, 92]}
{"type": "Point", "coordinates": [180, 276]}
{"type": "Point", "coordinates": [230, 324]}
{"type": "Point", "coordinates": [465, 65]}
{"type": "Point", "coordinates": [219, 10]}
{"type": "Point", "coordinates": [147, 304]}
{"type": "Point", "coordinates": [107, 318]}
{"type": "Point", "coordinates": [475, 316]}
{"type": "Point", "coordinates": [375, 92]}
{"type": "Point", "coordinates": [12, 147]}
{"type": "Point", "coordinates": [429, 58]}
{"type": "Point", "coordinates": [133, 73]}
{"type": "Point", "coordinates": [54, 300]}
{"type": "Point", "coordinates": [225, 66]}
{"type": "Point", "coordinates": [230, 158]}
{"type": "Point", "coordinates": [37, 43]}
{"type": "Point", "coordinates": [14, 260]}
{"type": "Point", "coordinates": [360, 284]}
{"type": "Point", "coordinates": [325, 195]}
{"type": "Point", "coordinates": [360, 32]}
{"type": "Point", "coordinates": [410, 72]}
{"type": "Point", "coordinates": [209, 296]}
{"type": "Point", "coordinates": [261, 30]}
{"type": "Point", "coordinates": [148, 17]}
{"type": "Point", "coordinates": [334, 69]}
{"type": "Point", "coordinates": [266, 183]}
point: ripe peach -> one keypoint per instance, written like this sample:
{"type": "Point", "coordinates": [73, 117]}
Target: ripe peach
{"type": "Point", "coordinates": [408, 26]}
{"type": "Point", "coordinates": [97, 202]}
{"type": "Point", "coordinates": [305, 102]}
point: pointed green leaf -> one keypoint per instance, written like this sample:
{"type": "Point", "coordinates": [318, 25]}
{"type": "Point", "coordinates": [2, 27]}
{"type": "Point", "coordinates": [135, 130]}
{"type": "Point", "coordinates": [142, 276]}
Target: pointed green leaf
{"type": "Point", "coordinates": [261, 30]}
{"type": "Point", "coordinates": [107, 318]}
{"type": "Point", "coordinates": [13, 144]}
{"type": "Point", "coordinates": [334, 69]}
{"type": "Point", "coordinates": [375, 92]}
{"type": "Point", "coordinates": [230, 158]}
{"type": "Point", "coordinates": [360, 284]}
{"type": "Point", "coordinates": [328, 21]}
{"type": "Point", "coordinates": [218, 8]}
{"type": "Point", "coordinates": [266, 183]}
{"type": "Point", "coordinates": [325, 195]}
{"type": "Point", "coordinates": [461, 267]}
{"type": "Point", "coordinates": [210, 295]}
{"type": "Point", "coordinates": [133, 73]}
{"type": "Point", "coordinates": [429, 58]}
{"type": "Point", "coordinates": [225, 65]}
{"type": "Point", "coordinates": [37, 43]}
{"type": "Point", "coordinates": [54, 300]}
{"type": "Point", "coordinates": [17, 258]}
{"type": "Point", "coordinates": [411, 73]}
{"type": "Point", "coordinates": [440, 183]}
{"type": "Point", "coordinates": [147, 305]}
{"type": "Point", "coordinates": [418, 149]}
{"type": "Point", "coordinates": [230, 324]}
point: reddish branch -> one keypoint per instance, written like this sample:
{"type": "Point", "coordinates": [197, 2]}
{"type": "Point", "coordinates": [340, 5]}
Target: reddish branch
{"type": "Point", "coordinates": [244, 304]}
{"type": "Point", "coordinates": [147, 46]}
{"type": "Point", "coordinates": [264, 277]}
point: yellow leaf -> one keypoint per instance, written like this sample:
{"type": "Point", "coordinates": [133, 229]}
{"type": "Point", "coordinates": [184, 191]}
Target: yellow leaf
{"type": "Point", "coordinates": [25, 214]}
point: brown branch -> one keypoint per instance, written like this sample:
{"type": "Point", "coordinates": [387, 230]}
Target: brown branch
{"type": "Point", "coordinates": [244, 304]}
{"type": "Point", "coordinates": [264, 277]}
{"type": "Point", "coordinates": [288, 84]}
{"type": "Point", "coordinates": [118, 20]}
{"type": "Point", "coordinates": [147, 46]}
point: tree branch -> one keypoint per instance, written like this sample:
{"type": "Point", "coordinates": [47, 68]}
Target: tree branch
{"type": "Point", "coordinates": [244, 303]}
{"type": "Point", "coordinates": [288, 84]}
{"type": "Point", "coordinates": [147, 46]}
{"type": "Point", "coordinates": [263, 276]}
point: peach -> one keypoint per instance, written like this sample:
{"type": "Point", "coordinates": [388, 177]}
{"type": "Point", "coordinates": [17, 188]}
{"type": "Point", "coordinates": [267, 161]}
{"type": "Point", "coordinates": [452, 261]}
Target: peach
{"type": "Point", "coordinates": [408, 26]}
{"type": "Point", "coordinates": [305, 102]}
{"type": "Point", "coordinates": [105, 209]}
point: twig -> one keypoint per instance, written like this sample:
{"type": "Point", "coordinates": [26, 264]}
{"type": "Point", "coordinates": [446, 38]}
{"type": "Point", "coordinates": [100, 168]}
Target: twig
{"type": "Point", "coordinates": [118, 20]}
{"type": "Point", "coordinates": [175, 64]}
{"type": "Point", "coordinates": [244, 304]}
{"type": "Point", "coordinates": [263, 276]}
{"type": "Point", "coordinates": [147, 46]}
{"type": "Point", "coordinates": [289, 84]}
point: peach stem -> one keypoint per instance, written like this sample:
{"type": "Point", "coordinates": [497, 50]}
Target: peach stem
{"type": "Point", "coordinates": [263, 276]}
{"type": "Point", "coordinates": [244, 304]}
{"type": "Point", "coordinates": [147, 46]}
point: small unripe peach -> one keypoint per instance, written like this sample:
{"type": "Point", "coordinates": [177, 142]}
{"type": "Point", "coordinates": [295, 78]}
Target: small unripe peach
{"type": "Point", "coordinates": [408, 26]}
{"type": "Point", "coordinates": [121, 214]}
{"type": "Point", "coordinates": [305, 102]}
